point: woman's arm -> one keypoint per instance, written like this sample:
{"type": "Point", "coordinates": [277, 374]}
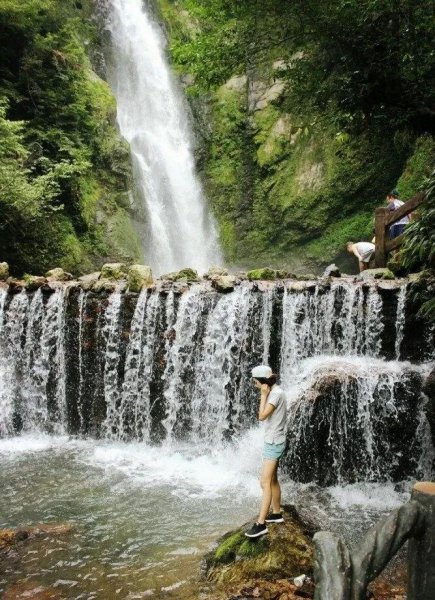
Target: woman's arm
{"type": "Point", "coordinates": [265, 409]}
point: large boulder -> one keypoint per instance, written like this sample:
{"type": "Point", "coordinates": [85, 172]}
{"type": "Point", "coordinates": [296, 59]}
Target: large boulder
{"type": "Point", "coordinates": [139, 276]}
{"type": "Point", "coordinates": [356, 420]}
{"type": "Point", "coordinates": [215, 272]}
{"type": "Point", "coordinates": [287, 551]}
{"type": "Point", "coordinates": [114, 271]}
{"type": "Point", "coordinates": [4, 271]}
{"type": "Point", "coordinates": [224, 283]}
{"type": "Point", "coordinates": [86, 282]}
{"type": "Point", "coordinates": [186, 274]}
{"type": "Point", "coordinates": [379, 273]}
{"type": "Point", "coordinates": [265, 273]}
{"type": "Point", "coordinates": [34, 282]}
{"type": "Point", "coordinates": [58, 274]}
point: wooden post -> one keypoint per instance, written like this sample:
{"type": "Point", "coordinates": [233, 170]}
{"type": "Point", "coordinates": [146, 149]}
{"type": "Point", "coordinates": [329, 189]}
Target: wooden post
{"type": "Point", "coordinates": [332, 567]}
{"type": "Point", "coordinates": [421, 550]}
{"type": "Point", "coordinates": [380, 254]}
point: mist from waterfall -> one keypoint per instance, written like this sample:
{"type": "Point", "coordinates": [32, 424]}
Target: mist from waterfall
{"type": "Point", "coordinates": [153, 118]}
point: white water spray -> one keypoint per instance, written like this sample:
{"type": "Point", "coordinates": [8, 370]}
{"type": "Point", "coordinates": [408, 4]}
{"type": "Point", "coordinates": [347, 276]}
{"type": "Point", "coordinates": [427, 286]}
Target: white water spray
{"type": "Point", "coordinates": [153, 119]}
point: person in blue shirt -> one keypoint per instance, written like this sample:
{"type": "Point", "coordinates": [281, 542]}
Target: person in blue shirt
{"type": "Point", "coordinates": [393, 204]}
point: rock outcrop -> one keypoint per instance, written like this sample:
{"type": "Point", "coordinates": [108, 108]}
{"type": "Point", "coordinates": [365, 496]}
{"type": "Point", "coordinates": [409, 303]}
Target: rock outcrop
{"type": "Point", "coordinates": [4, 271]}
{"type": "Point", "coordinates": [138, 277]}
{"type": "Point", "coordinates": [286, 551]}
{"type": "Point", "coordinates": [113, 271]}
{"type": "Point", "coordinates": [58, 274]}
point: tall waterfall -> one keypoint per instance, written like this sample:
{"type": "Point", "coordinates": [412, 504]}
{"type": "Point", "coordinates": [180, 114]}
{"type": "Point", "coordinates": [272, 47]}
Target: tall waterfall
{"type": "Point", "coordinates": [165, 366]}
{"type": "Point", "coordinates": [153, 119]}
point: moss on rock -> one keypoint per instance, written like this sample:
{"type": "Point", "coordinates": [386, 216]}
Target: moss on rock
{"type": "Point", "coordinates": [4, 271]}
{"type": "Point", "coordinates": [114, 271]}
{"type": "Point", "coordinates": [286, 551]}
{"type": "Point", "coordinates": [186, 274]}
{"type": "Point", "coordinates": [264, 273]}
{"type": "Point", "coordinates": [139, 276]}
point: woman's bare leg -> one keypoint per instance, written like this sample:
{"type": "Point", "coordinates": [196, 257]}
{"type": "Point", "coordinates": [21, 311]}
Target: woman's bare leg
{"type": "Point", "coordinates": [269, 468]}
{"type": "Point", "coordinates": [276, 492]}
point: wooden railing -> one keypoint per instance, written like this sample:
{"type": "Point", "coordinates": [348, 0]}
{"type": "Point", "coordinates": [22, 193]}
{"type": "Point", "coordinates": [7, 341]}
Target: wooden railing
{"type": "Point", "coordinates": [344, 574]}
{"type": "Point", "coordinates": [384, 218]}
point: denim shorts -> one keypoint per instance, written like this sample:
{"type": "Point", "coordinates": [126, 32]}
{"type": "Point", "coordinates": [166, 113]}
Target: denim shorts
{"type": "Point", "coordinates": [273, 451]}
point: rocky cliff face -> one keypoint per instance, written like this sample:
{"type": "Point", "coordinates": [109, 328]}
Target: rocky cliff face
{"type": "Point", "coordinates": [287, 184]}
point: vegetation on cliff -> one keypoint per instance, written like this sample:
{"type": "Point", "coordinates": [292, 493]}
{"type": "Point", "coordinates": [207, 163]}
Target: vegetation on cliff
{"type": "Point", "coordinates": [64, 170]}
{"type": "Point", "coordinates": [309, 113]}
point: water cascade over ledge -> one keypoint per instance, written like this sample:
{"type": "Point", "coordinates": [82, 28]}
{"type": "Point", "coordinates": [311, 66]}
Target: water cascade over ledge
{"type": "Point", "coordinates": [163, 366]}
{"type": "Point", "coordinates": [153, 119]}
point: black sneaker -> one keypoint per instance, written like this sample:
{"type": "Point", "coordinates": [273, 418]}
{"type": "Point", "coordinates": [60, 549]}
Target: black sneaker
{"type": "Point", "coordinates": [275, 518]}
{"type": "Point", "coordinates": [256, 530]}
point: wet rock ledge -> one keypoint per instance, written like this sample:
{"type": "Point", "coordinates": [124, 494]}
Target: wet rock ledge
{"type": "Point", "coordinates": [134, 278]}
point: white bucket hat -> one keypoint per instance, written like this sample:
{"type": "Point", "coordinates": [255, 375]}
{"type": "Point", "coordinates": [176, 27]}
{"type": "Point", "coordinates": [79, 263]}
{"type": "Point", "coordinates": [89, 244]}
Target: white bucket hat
{"type": "Point", "coordinates": [262, 372]}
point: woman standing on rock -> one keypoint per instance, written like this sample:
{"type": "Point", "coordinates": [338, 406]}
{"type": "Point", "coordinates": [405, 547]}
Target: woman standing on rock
{"type": "Point", "coordinates": [274, 412]}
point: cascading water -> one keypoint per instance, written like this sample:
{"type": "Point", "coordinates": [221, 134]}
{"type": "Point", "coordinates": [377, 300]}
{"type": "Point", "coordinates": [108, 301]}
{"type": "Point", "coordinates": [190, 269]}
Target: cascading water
{"type": "Point", "coordinates": [153, 119]}
{"type": "Point", "coordinates": [170, 367]}
{"type": "Point", "coordinates": [155, 390]}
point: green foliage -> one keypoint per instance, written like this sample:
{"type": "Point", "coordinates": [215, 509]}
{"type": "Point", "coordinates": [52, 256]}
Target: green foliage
{"type": "Point", "coordinates": [419, 247]}
{"type": "Point", "coordinates": [60, 153]}
{"type": "Point", "coordinates": [308, 169]}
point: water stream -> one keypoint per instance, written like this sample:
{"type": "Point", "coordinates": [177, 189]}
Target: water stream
{"type": "Point", "coordinates": [153, 118]}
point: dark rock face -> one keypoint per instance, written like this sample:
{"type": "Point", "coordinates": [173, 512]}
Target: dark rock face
{"type": "Point", "coordinates": [351, 424]}
{"type": "Point", "coordinates": [429, 390]}
{"type": "Point", "coordinates": [331, 271]}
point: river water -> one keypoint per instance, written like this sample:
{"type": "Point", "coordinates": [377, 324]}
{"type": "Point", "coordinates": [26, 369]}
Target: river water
{"type": "Point", "coordinates": [138, 425]}
{"type": "Point", "coordinates": [144, 516]}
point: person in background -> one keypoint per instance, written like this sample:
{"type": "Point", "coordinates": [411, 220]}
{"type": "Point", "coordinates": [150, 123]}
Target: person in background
{"type": "Point", "coordinates": [363, 251]}
{"type": "Point", "coordinates": [273, 411]}
{"type": "Point", "coordinates": [393, 204]}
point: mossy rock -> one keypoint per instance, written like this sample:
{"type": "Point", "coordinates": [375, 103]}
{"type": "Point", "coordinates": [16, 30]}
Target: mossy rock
{"type": "Point", "coordinates": [306, 277]}
{"type": "Point", "coordinates": [224, 283]}
{"type": "Point", "coordinates": [186, 274]}
{"type": "Point", "coordinates": [380, 273]}
{"type": "Point", "coordinates": [215, 272]}
{"type": "Point", "coordinates": [139, 276]}
{"type": "Point", "coordinates": [265, 273]}
{"type": "Point", "coordinates": [34, 282]}
{"type": "Point", "coordinates": [58, 274]}
{"type": "Point", "coordinates": [4, 271]}
{"type": "Point", "coordinates": [86, 282]}
{"type": "Point", "coordinates": [104, 285]}
{"type": "Point", "coordinates": [286, 551]}
{"type": "Point", "coordinates": [114, 271]}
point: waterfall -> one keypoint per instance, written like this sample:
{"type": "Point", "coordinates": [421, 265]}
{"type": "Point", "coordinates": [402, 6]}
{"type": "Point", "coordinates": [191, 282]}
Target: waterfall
{"type": "Point", "coordinates": [165, 367]}
{"type": "Point", "coordinates": [344, 320]}
{"type": "Point", "coordinates": [400, 320]}
{"type": "Point", "coordinates": [352, 419]}
{"type": "Point", "coordinates": [153, 119]}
